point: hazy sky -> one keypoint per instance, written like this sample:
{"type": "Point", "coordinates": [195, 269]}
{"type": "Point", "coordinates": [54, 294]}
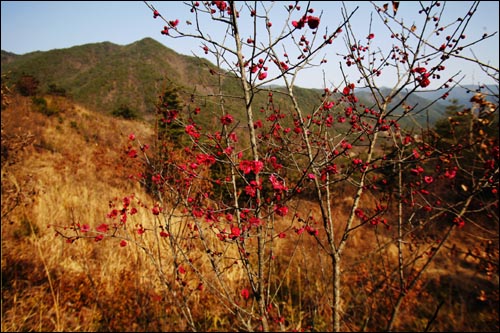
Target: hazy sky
{"type": "Point", "coordinates": [28, 26]}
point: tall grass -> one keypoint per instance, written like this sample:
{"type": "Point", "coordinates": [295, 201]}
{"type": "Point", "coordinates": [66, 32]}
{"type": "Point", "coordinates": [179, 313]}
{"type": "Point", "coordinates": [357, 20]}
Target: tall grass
{"type": "Point", "coordinates": [75, 167]}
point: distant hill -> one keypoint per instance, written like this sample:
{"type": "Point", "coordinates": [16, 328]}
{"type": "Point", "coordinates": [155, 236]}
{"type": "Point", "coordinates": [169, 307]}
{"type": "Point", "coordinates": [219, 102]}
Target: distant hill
{"type": "Point", "coordinates": [463, 94]}
{"type": "Point", "coordinates": [104, 76]}
{"type": "Point", "coordinates": [8, 57]}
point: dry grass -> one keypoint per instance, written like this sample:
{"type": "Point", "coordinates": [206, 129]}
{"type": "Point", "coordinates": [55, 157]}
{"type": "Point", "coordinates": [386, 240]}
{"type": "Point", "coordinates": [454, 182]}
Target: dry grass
{"type": "Point", "coordinates": [72, 166]}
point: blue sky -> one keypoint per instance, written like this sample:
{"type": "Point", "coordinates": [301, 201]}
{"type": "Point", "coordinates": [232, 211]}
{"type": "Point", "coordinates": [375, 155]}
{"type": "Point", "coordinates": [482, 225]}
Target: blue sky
{"type": "Point", "coordinates": [28, 26]}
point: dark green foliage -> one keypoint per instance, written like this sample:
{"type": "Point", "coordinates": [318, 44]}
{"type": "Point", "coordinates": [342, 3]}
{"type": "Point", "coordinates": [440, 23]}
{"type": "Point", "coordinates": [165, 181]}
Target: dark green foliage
{"type": "Point", "coordinates": [55, 90]}
{"type": "Point", "coordinates": [42, 106]}
{"type": "Point", "coordinates": [469, 132]}
{"type": "Point", "coordinates": [169, 120]}
{"type": "Point", "coordinates": [125, 112]}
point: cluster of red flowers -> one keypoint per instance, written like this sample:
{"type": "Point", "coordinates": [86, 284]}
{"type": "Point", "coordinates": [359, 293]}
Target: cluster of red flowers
{"type": "Point", "coordinates": [423, 79]}
{"type": "Point", "coordinates": [311, 21]}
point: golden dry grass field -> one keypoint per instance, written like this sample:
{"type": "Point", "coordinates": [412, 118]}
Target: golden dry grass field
{"type": "Point", "coordinates": [66, 167]}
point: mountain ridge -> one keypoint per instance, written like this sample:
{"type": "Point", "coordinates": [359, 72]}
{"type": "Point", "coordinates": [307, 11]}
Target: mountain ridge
{"type": "Point", "coordinates": [104, 76]}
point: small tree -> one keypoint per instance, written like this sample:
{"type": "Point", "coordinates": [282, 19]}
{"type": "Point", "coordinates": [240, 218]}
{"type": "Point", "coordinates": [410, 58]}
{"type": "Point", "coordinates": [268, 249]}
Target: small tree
{"type": "Point", "coordinates": [285, 176]}
{"type": "Point", "coordinates": [28, 85]}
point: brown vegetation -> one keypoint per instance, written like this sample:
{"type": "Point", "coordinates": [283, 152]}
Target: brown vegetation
{"type": "Point", "coordinates": [65, 167]}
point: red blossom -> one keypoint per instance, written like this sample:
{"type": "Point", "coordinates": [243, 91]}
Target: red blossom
{"type": "Point", "coordinates": [312, 231]}
{"type": "Point", "coordinates": [245, 294]}
{"type": "Point", "coordinates": [359, 213]}
{"type": "Point", "coordinates": [258, 124]}
{"type": "Point", "coordinates": [313, 22]}
{"type": "Point", "coordinates": [283, 66]}
{"type": "Point", "coordinates": [328, 105]}
{"type": "Point", "coordinates": [245, 166]}
{"type": "Point", "coordinates": [156, 179]}
{"type": "Point", "coordinates": [275, 164]}
{"type": "Point", "coordinates": [132, 153]}
{"type": "Point", "coordinates": [85, 228]}
{"type": "Point", "coordinates": [262, 75]}
{"type": "Point", "coordinates": [407, 140]}
{"type": "Point", "coordinates": [221, 5]}
{"type": "Point", "coordinates": [277, 184]}
{"type": "Point", "coordinates": [254, 69]}
{"type": "Point", "coordinates": [164, 234]}
{"type": "Point", "coordinates": [235, 232]}
{"type": "Point", "coordinates": [424, 82]}
{"type": "Point", "coordinates": [227, 119]}
{"type": "Point", "coordinates": [192, 131]}
{"type": "Point", "coordinates": [112, 214]}
{"type": "Point", "coordinates": [197, 212]}
{"type": "Point", "coordinates": [417, 170]}
{"type": "Point", "coordinates": [205, 159]}
{"type": "Point", "coordinates": [419, 70]}
{"type": "Point", "coordinates": [281, 210]}
{"type": "Point", "coordinates": [450, 174]}
{"type": "Point", "coordinates": [428, 179]}
{"type": "Point", "coordinates": [257, 166]}
{"type": "Point", "coordinates": [298, 24]}
{"type": "Point", "coordinates": [174, 23]}
{"type": "Point", "coordinates": [123, 243]}
{"type": "Point", "coordinates": [102, 228]}
{"type": "Point", "coordinates": [371, 36]}
{"type": "Point", "coordinates": [251, 190]}
{"type": "Point", "coordinates": [416, 154]}
{"type": "Point", "coordinates": [156, 210]}
{"type": "Point", "coordinates": [459, 221]}
{"type": "Point", "coordinates": [249, 166]}
{"type": "Point", "coordinates": [255, 221]}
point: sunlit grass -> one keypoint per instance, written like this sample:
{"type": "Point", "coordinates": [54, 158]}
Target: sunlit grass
{"type": "Point", "coordinates": [75, 167]}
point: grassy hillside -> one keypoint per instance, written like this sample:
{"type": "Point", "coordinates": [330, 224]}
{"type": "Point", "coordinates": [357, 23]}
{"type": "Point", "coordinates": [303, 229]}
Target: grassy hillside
{"type": "Point", "coordinates": [59, 169]}
{"type": "Point", "coordinates": [105, 77]}
{"type": "Point", "coordinates": [67, 166]}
